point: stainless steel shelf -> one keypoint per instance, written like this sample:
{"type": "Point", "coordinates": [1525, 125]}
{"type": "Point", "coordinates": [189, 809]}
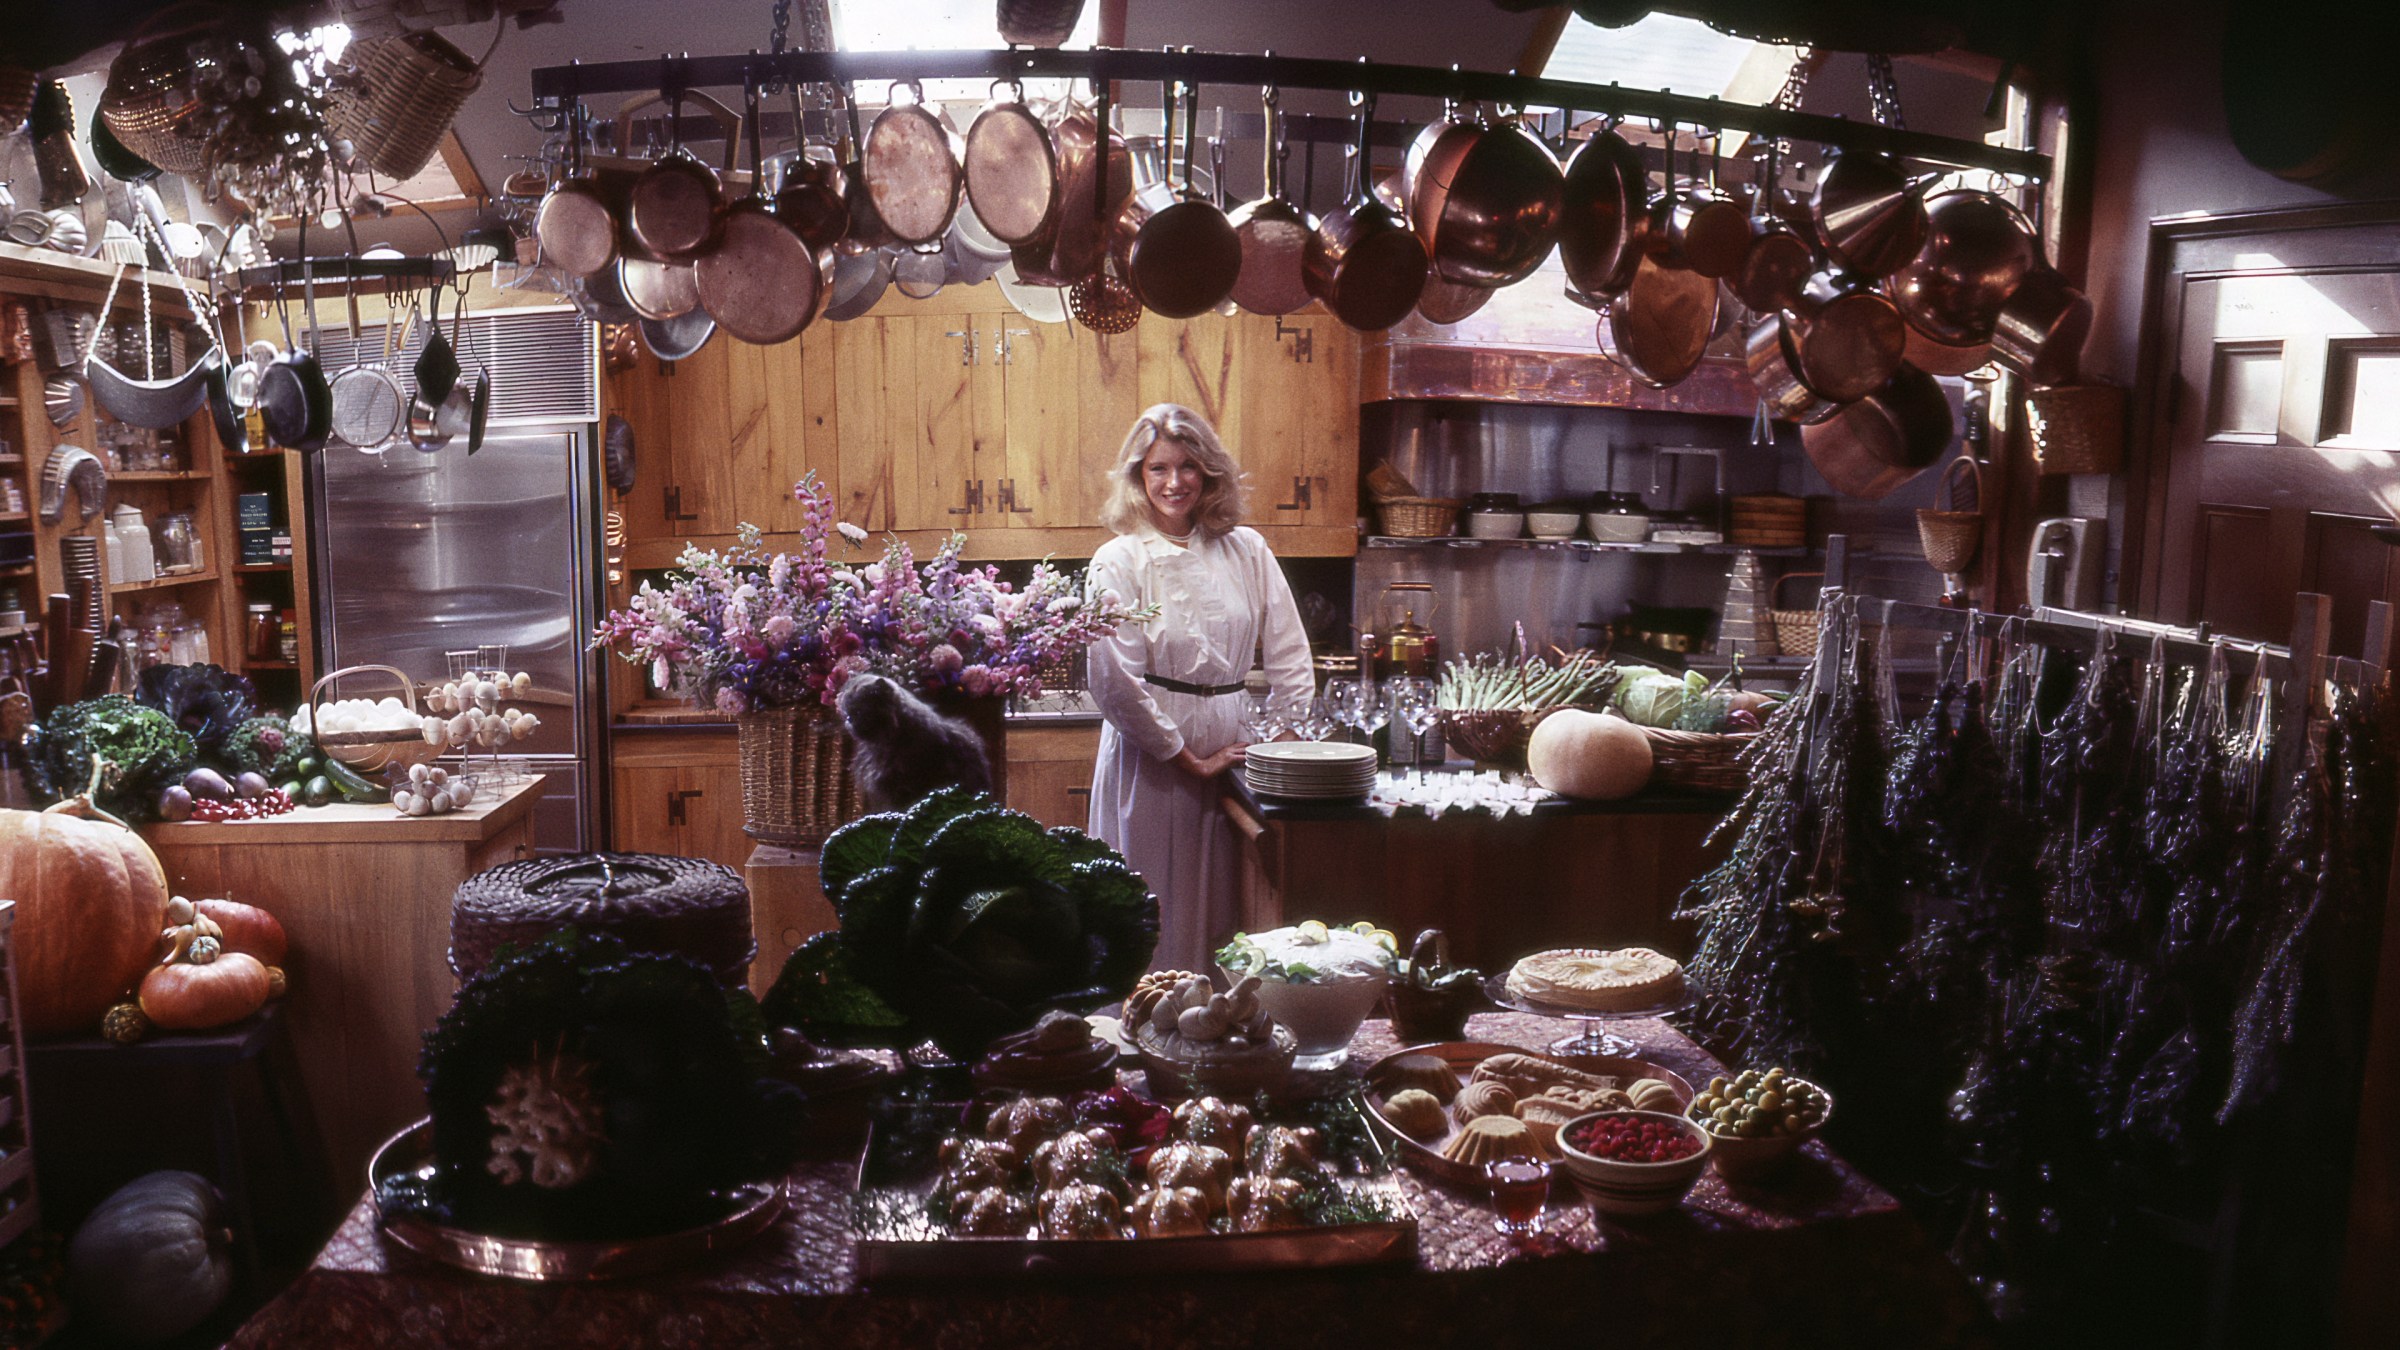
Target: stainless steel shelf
{"type": "Point", "coordinates": [1581, 546]}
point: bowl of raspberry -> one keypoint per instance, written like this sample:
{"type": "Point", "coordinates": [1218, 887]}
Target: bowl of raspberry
{"type": "Point", "coordinates": [1633, 1162]}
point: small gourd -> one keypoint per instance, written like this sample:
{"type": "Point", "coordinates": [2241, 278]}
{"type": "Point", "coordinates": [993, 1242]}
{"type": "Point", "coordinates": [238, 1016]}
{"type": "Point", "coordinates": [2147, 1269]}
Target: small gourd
{"type": "Point", "coordinates": [198, 984]}
{"type": "Point", "coordinates": [124, 1024]}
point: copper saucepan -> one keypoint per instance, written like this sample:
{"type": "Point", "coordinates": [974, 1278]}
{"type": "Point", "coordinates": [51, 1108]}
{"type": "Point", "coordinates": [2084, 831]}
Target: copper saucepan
{"type": "Point", "coordinates": [1846, 337]}
{"type": "Point", "coordinates": [1485, 200]}
{"type": "Point", "coordinates": [2041, 330]}
{"type": "Point", "coordinates": [1274, 234]}
{"type": "Point", "coordinates": [1943, 358]}
{"type": "Point", "coordinates": [911, 157]}
{"type": "Point", "coordinates": [1977, 251]}
{"type": "Point", "coordinates": [1880, 442]}
{"type": "Point", "coordinates": [763, 283]}
{"type": "Point", "coordinates": [1363, 261]}
{"type": "Point", "coordinates": [1171, 244]}
{"type": "Point", "coordinates": [1095, 177]}
{"type": "Point", "coordinates": [1659, 327]}
{"type": "Point", "coordinates": [809, 190]}
{"type": "Point", "coordinates": [671, 209]}
{"type": "Point", "coordinates": [1706, 231]}
{"type": "Point", "coordinates": [1603, 201]}
{"type": "Point", "coordinates": [1011, 175]}
{"type": "Point", "coordinates": [574, 225]}
{"type": "Point", "coordinates": [1780, 257]}
{"type": "Point", "coordinates": [1767, 354]}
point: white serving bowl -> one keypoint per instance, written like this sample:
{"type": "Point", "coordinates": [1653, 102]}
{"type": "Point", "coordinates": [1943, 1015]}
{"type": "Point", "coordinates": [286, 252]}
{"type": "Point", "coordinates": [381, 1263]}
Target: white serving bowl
{"type": "Point", "coordinates": [1495, 524]}
{"type": "Point", "coordinates": [1611, 527]}
{"type": "Point", "coordinates": [1615, 1187]}
{"type": "Point", "coordinates": [1552, 524]}
{"type": "Point", "coordinates": [1322, 1016]}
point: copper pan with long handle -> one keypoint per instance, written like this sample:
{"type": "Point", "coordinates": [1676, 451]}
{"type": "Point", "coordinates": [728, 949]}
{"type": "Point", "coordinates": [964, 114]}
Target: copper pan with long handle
{"type": "Point", "coordinates": [574, 225]}
{"type": "Point", "coordinates": [1095, 177]}
{"type": "Point", "coordinates": [2041, 330]}
{"type": "Point", "coordinates": [1603, 202]}
{"type": "Point", "coordinates": [1767, 354]}
{"type": "Point", "coordinates": [763, 283]}
{"type": "Point", "coordinates": [671, 210]}
{"type": "Point", "coordinates": [1871, 447]}
{"type": "Point", "coordinates": [1363, 261]}
{"type": "Point", "coordinates": [1273, 233]}
{"type": "Point", "coordinates": [1171, 243]}
{"type": "Point", "coordinates": [1659, 327]}
{"type": "Point", "coordinates": [1706, 231]}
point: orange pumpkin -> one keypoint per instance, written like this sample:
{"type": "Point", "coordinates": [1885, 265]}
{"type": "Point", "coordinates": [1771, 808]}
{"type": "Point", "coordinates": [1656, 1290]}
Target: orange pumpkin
{"type": "Point", "coordinates": [248, 929]}
{"type": "Point", "coordinates": [195, 995]}
{"type": "Point", "coordinates": [91, 901]}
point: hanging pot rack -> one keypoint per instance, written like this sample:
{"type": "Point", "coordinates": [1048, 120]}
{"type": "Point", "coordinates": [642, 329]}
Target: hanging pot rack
{"type": "Point", "coordinates": [557, 86]}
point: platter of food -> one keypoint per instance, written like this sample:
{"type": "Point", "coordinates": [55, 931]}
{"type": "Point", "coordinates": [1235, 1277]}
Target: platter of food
{"type": "Point", "coordinates": [1112, 1183]}
{"type": "Point", "coordinates": [1592, 986]}
{"type": "Point", "coordinates": [1454, 1106]}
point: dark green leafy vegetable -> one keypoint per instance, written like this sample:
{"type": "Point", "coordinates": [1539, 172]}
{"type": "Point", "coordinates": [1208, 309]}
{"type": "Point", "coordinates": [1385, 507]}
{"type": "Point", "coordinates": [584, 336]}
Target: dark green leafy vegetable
{"type": "Point", "coordinates": [209, 702]}
{"type": "Point", "coordinates": [961, 923]}
{"type": "Point", "coordinates": [266, 745]}
{"type": "Point", "coordinates": [145, 753]}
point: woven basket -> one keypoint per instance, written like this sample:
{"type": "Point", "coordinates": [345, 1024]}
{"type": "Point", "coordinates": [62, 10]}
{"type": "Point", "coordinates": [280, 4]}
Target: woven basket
{"type": "Point", "coordinates": [1492, 735]}
{"type": "Point", "coordinates": [1795, 629]}
{"type": "Point", "coordinates": [2077, 428]}
{"type": "Point", "coordinates": [410, 88]}
{"type": "Point", "coordinates": [796, 783]}
{"type": "Point", "coordinates": [151, 102]}
{"type": "Point", "coordinates": [1953, 537]}
{"type": "Point", "coordinates": [1698, 761]}
{"type": "Point", "coordinates": [1419, 517]}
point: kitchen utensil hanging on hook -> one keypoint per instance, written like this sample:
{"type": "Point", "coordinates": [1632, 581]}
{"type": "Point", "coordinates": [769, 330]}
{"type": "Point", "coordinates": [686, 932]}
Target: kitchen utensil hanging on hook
{"type": "Point", "coordinates": [1604, 201]}
{"type": "Point", "coordinates": [1273, 232]}
{"type": "Point", "coordinates": [1363, 261]}
{"type": "Point", "coordinates": [763, 283]}
{"type": "Point", "coordinates": [671, 209]}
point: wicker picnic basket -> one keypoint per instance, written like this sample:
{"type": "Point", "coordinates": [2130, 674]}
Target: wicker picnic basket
{"type": "Point", "coordinates": [410, 87]}
{"type": "Point", "coordinates": [796, 781]}
{"type": "Point", "coordinates": [1795, 629]}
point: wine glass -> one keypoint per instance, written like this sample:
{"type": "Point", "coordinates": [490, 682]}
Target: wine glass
{"type": "Point", "coordinates": [1415, 706]}
{"type": "Point", "coordinates": [1373, 710]}
{"type": "Point", "coordinates": [1342, 698]}
{"type": "Point", "coordinates": [1259, 722]}
{"type": "Point", "coordinates": [1314, 723]}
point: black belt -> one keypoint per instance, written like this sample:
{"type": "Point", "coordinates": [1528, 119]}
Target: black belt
{"type": "Point", "coordinates": [1187, 687]}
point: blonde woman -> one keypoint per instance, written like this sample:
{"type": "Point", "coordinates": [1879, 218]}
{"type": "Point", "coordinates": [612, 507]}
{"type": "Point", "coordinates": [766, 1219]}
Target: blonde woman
{"type": "Point", "coordinates": [1170, 689]}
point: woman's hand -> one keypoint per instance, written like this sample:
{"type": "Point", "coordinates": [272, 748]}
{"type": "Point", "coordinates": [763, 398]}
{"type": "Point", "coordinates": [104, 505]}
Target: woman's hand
{"type": "Point", "coordinates": [1211, 766]}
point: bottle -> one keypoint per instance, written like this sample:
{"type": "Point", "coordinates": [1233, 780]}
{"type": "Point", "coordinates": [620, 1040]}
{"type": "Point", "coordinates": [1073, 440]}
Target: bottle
{"type": "Point", "coordinates": [263, 639]}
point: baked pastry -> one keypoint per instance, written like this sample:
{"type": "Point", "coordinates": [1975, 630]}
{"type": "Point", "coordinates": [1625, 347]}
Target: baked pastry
{"type": "Point", "coordinates": [1531, 1075]}
{"type": "Point", "coordinates": [1200, 1167]}
{"type": "Point", "coordinates": [975, 1164]}
{"type": "Point", "coordinates": [1485, 1098]}
{"type": "Point", "coordinates": [1423, 1072]}
{"type": "Point", "coordinates": [1029, 1122]}
{"type": "Point", "coordinates": [1212, 1121]}
{"type": "Point", "coordinates": [994, 1211]}
{"type": "Point", "coordinates": [1077, 1155]}
{"type": "Point", "coordinates": [1170, 1211]}
{"type": "Point", "coordinates": [652, 903]}
{"type": "Point", "coordinates": [1283, 1150]}
{"type": "Point", "coordinates": [1196, 1038]}
{"type": "Point", "coordinates": [1489, 1139]}
{"type": "Point", "coordinates": [1597, 981]}
{"type": "Point", "coordinates": [1583, 1099]}
{"type": "Point", "coordinates": [1149, 989]}
{"type": "Point", "coordinates": [1081, 1209]}
{"type": "Point", "coordinates": [1542, 1117]}
{"type": "Point", "coordinates": [1059, 1054]}
{"type": "Point", "coordinates": [1264, 1204]}
{"type": "Point", "coordinates": [1653, 1094]}
{"type": "Point", "coordinates": [1415, 1113]}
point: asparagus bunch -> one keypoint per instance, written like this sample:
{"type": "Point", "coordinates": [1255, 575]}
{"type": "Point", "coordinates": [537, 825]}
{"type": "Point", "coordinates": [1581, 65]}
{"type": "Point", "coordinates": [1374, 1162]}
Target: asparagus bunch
{"type": "Point", "coordinates": [1487, 680]}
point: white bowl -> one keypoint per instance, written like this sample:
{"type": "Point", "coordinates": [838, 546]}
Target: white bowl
{"type": "Point", "coordinates": [1610, 527]}
{"type": "Point", "coordinates": [1615, 1187]}
{"type": "Point", "coordinates": [1495, 524]}
{"type": "Point", "coordinates": [1322, 1016]}
{"type": "Point", "coordinates": [1552, 524]}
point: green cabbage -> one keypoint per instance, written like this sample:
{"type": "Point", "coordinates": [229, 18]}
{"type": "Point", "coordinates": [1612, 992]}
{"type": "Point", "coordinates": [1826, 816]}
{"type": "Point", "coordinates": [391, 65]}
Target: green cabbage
{"type": "Point", "coordinates": [1652, 698]}
{"type": "Point", "coordinates": [962, 922]}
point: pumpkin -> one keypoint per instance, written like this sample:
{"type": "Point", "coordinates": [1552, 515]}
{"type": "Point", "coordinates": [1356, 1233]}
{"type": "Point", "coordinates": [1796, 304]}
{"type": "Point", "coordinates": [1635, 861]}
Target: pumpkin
{"type": "Point", "coordinates": [1582, 754]}
{"type": "Point", "coordinates": [91, 901]}
{"type": "Point", "coordinates": [153, 1260]}
{"type": "Point", "coordinates": [248, 929]}
{"type": "Point", "coordinates": [195, 995]}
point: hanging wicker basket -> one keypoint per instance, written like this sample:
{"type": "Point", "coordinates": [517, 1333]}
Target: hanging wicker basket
{"type": "Point", "coordinates": [796, 782]}
{"type": "Point", "coordinates": [2077, 428]}
{"type": "Point", "coordinates": [152, 101]}
{"type": "Point", "coordinates": [1953, 537]}
{"type": "Point", "coordinates": [1795, 629]}
{"type": "Point", "coordinates": [409, 89]}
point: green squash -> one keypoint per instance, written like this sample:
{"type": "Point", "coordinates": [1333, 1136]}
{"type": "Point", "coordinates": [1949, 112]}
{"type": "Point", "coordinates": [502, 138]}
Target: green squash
{"type": "Point", "coordinates": [153, 1260]}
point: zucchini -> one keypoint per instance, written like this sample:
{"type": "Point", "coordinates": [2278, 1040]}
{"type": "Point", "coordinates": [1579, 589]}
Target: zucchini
{"type": "Point", "coordinates": [346, 781]}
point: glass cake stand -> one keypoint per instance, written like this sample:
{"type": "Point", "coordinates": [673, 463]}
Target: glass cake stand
{"type": "Point", "coordinates": [1594, 1041]}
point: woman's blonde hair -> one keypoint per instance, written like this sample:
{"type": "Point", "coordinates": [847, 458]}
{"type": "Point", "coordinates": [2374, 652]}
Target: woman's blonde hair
{"type": "Point", "coordinates": [1222, 497]}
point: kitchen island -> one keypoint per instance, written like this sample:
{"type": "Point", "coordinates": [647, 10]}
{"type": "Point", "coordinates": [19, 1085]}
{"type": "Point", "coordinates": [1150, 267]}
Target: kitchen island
{"type": "Point", "coordinates": [1570, 874]}
{"type": "Point", "coordinates": [364, 894]}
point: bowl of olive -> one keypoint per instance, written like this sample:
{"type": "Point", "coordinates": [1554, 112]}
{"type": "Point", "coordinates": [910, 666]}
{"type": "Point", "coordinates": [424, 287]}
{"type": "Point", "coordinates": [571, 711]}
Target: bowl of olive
{"type": "Point", "coordinates": [1758, 1119]}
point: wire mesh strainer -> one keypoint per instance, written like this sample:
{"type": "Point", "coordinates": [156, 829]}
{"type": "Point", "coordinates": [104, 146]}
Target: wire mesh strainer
{"type": "Point", "coordinates": [368, 407]}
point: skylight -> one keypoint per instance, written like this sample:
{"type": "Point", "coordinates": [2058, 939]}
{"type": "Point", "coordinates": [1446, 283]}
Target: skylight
{"type": "Point", "coordinates": [940, 25]}
{"type": "Point", "coordinates": [1675, 54]}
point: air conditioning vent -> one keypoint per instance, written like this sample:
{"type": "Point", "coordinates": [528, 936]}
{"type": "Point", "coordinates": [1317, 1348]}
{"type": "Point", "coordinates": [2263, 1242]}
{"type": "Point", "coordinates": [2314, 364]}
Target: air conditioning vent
{"type": "Point", "coordinates": [545, 362]}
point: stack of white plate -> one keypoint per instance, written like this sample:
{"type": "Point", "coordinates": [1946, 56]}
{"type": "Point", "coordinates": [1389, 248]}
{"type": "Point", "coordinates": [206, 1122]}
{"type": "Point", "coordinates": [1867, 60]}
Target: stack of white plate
{"type": "Point", "coordinates": [1311, 770]}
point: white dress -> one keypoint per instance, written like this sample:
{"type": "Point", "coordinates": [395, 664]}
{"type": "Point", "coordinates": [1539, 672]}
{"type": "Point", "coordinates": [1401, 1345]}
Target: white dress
{"type": "Point", "coordinates": [1217, 601]}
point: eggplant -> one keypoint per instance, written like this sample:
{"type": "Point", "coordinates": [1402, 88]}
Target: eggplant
{"type": "Point", "coordinates": [208, 785]}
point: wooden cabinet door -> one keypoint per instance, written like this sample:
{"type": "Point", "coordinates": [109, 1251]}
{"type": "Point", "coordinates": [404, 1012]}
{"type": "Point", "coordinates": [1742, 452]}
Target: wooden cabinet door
{"type": "Point", "coordinates": [696, 410]}
{"type": "Point", "coordinates": [1071, 394]}
{"type": "Point", "coordinates": [917, 403]}
{"type": "Point", "coordinates": [780, 408]}
{"type": "Point", "coordinates": [1296, 389]}
{"type": "Point", "coordinates": [1054, 792]}
{"type": "Point", "coordinates": [691, 809]}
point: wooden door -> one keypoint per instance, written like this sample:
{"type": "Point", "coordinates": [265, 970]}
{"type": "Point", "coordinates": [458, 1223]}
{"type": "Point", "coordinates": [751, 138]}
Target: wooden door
{"type": "Point", "coordinates": [2284, 427]}
{"type": "Point", "coordinates": [696, 398]}
{"type": "Point", "coordinates": [1046, 479]}
{"type": "Point", "coordinates": [1297, 390]}
{"type": "Point", "coordinates": [783, 426]}
{"type": "Point", "coordinates": [679, 793]}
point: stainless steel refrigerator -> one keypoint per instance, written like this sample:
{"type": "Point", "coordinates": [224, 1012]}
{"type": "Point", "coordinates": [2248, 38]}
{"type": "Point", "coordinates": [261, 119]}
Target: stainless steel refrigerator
{"type": "Point", "coordinates": [417, 555]}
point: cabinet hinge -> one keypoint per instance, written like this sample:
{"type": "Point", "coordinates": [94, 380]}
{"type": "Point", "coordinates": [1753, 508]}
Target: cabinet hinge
{"type": "Point", "coordinates": [973, 499]}
{"type": "Point", "coordinates": [675, 509]}
{"type": "Point", "coordinates": [676, 815]}
{"type": "Point", "coordinates": [1008, 499]}
{"type": "Point", "coordinates": [1304, 341]}
{"type": "Point", "coordinates": [1303, 492]}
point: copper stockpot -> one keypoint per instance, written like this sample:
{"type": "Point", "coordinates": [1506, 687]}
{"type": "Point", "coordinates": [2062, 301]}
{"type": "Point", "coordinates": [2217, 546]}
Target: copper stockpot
{"type": "Point", "coordinates": [1781, 257]}
{"type": "Point", "coordinates": [1943, 358]}
{"type": "Point", "coordinates": [1847, 338]}
{"type": "Point", "coordinates": [1871, 447]}
{"type": "Point", "coordinates": [1095, 177]}
{"type": "Point", "coordinates": [1767, 354]}
{"type": "Point", "coordinates": [1977, 251]}
{"type": "Point", "coordinates": [1486, 201]}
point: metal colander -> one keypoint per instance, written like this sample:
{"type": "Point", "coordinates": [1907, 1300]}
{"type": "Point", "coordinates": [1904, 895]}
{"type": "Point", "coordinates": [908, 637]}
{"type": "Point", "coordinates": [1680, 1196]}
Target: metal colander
{"type": "Point", "coordinates": [369, 409]}
{"type": "Point", "coordinates": [1104, 304]}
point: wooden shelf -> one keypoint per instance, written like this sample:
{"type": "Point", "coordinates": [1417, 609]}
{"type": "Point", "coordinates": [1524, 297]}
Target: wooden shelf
{"type": "Point", "coordinates": [270, 665]}
{"type": "Point", "coordinates": [13, 516]}
{"type": "Point", "coordinates": [162, 583]}
{"type": "Point", "coordinates": [11, 459]}
{"type": "Point", "coordinates": [187, 476]}
{"type": "Point", "coordinates": [1578, 545]}
{"type": "Point", "coordinates": [254, 569]}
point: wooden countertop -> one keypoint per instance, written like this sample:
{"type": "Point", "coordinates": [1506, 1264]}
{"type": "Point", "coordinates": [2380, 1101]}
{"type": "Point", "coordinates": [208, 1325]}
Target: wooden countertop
{"type": "Point", "coordinates": [361, 823]}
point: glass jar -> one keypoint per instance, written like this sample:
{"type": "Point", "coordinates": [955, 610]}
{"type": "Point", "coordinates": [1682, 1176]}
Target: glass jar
{"type": "Point", "coordinates": [288, 637]}
{"type": "Point", "coordinates": [178, 543]}
{"type": "Point", "coordinates": [262, 634]}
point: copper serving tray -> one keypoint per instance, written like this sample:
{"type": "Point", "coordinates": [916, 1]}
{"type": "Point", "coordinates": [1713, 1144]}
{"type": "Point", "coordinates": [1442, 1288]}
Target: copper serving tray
{"type": "Point", "coordinates": [749, 1210]}
{"type": "Point", "coordinates": [914, 1248]}
{"type": "Point", "coordinates": [1462, 1057]}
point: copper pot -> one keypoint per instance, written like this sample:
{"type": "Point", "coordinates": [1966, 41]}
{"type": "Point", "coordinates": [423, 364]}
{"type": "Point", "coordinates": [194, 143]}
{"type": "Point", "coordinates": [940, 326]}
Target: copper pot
{"type": "Point", "coordinates": [1847, 339]}
{"type": "Point", "coordinates": [2041, 330]}
{"type": "Point", "coordinates": [911, 162]}
{"type": "Point", "coordinates": [1012, 178]}
{"type": "Point", "coordinates": [1870, 216]}
{"type": "Point", "coordinates": [1781, 256]}
{"type": "Point", "coordinates": [1767, 354]}
{"type": "Point", "coordinates": [764, 282]}
{"type": "Point", "coordinates": [1274, 236]}
{"type": "Point", "coordinates": [1943, 358]}
{"type": "Point", "coordinates": [1486, 201]}
{"type": "Point", "coordinates": [1603, 201]}
{"type": "Point", "coordinates": [671, 209]}
{"type": "Point", "coordinates": [1095, 177]}
{"type": "Point", "coordinates": [811, 200]}
{"type": "Point", "coordinates": [1363, 261]}
{"type": "Point", "coordinates": [1171, 244]}
{"type": "Point", "coordinates": [1871, 447]}
{"type": "Point", "coordinates": [1659, 327]}
{"type": "Point", "coordinates": [1447, 302]}
{"type": "Point", "coordinates": [1977, 251]}
{"type": "Point", "coordinates": [574, 225]}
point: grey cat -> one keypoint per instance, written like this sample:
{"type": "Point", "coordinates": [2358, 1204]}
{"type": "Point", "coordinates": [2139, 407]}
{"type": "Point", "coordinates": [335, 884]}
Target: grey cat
{"type": "Point", "coordinates": [902, 749]}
